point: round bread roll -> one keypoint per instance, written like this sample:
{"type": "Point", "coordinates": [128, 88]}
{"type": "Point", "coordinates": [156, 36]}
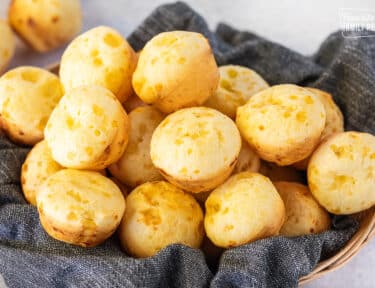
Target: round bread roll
{"type": "Point", "coordinates": [281, 173]}
{"type": "Point", "coordinates": [282, 123]}
{"type": "Point", "coordinates": [7, 45]}
{"type": "Point", "coordinates": [175, 70]}
{"type": "Point", "coordinates": [341, 173]}
{"type": "Point", "coordinates": [159, 214]}
{"type": "Point", "coordinates": [248, 160]}
{"type": "Point", "coordinates": [334, 121]}
{"type": "Point", "coordinates": [334, 118]}
{"type": "Point", "coordinates": [237, 84]}
{"type": "Point", "coordinates": [196, 148]}
{"type": "Point", "coordinates": [135, 166]}
{"type": "Point", "coordinates": [80, 207]}
{"type": "Point", "coordinates": [27, 97]}
{"type": "Point", "coordinates": [100, 56]}
{"type": "Point", "coordinates": [245, 208]}
{"type": "Point", "coordinates": [88, 129]}
{"type": "Point", "coordinates": [45, 24]}
{"type": "Point", "coordinates": [38, 166]}
{"type": "Point", "coordinates": [303, 214]}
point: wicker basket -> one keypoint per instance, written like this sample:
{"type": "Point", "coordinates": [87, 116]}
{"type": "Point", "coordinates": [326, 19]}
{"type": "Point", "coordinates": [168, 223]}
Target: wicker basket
{"type": "Point", "coordinates": [364, 234]}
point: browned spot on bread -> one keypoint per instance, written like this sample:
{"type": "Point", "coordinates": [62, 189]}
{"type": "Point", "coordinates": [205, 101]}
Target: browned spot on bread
{"type": "Point", "coordinates": [55, 19]}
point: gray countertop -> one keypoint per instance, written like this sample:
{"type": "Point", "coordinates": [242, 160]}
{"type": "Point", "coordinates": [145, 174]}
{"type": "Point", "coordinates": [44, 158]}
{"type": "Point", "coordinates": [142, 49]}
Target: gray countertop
{"type": "Point", "coordinates": [300, 25]}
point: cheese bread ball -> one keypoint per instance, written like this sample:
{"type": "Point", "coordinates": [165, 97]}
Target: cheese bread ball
{"type": "Point", "coordinates": [27, 97]}
{"type": "Point", "coordinates": [196, 148]}
{"type": "Point", "coordinates": [303, 214]}
{"type": "Point", "coordinates": [334, 121]}
{"type": "Point", "coordinates": [245, 208]}
{"type": "Point", "coordinates": [38, 166]}
{"type": "Point", "coordinates": [80, 207]}
{"type": "Point", "coordinates": [281, 173]}
{"type": "Point", "coordinates": [341, 173]}
{"type": "Point", "coordinates": [237, 84]}
{"type": "Point", "coordinates": [334, 118]}
{"type": "Point", "coordinates": [45, 24]}
{"type": "Point", "coordinates": [88, 129]}
{"type": "Point", "coordinates": [282, 123]}
{"type": "Point", "coordinates": [159, 214]}
{"type": "Point", "coordinates": [100, 56]}
{"type": "Point", "coordinates": [248, 160]}
{"type": "Point", "coordinates": [175, 70]}
{"type": "Point", "coordinates": [135, 166]}
{"type": "Point", "coordinates": [7, 45]}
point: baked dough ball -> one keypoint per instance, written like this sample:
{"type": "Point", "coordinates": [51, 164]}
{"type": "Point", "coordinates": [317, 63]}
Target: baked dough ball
{"type": "Point", "coordinates": [237, 84]}
{"type": "Point", "coordinates": [303, 214]}
{"type": "Point", "coordinates": [7, 45]}
{"type": "Point", "coordinates": [281, 173]}
{"type": "Point", "coordinates": [27, 97]}
{"type": "Point", "coordinates": [175, 70]}
{"type": "Point", "coordinates": [88, 129]}
{"type": "Point", "coordinates": [80, 207]}
{"type": "Point", "coordinates": [38, 166]}
{"type": "Point", "coordinates": [196, 148]}
{"type": "Point", "coordinates": [282, 123]}
{"type": "Point", "coordinates": [135, 166]}
{"type": "Point", "coordinates": [159, 214]}
{"type": "Point", "coordinates": [334, 118]}
{"type": "Point", "coordinates": [334, 121]}
{"type": "Point", "coordinates": [248, 160]}
{"type": "Point", "coordinates": [341, 173]}
{"type": "Point", "coordinates": [45, 24]}
{"type": "Point", "coordinates": [245, 208]}
{"type": "Point", "coordinates": [100, 56]}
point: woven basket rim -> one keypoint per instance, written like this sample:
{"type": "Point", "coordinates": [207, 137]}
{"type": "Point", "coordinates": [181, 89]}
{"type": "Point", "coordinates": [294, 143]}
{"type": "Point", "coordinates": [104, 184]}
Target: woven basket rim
{"type": "Point", "coordinates": [365, 233]}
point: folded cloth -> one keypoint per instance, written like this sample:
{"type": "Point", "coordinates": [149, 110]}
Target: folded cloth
{"type": "Point", "coordinates": [30, 258]}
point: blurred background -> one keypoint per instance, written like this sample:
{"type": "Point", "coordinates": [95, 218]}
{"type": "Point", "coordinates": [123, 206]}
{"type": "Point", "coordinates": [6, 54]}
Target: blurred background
{"type": "Point", "coordinates": [299, 25]}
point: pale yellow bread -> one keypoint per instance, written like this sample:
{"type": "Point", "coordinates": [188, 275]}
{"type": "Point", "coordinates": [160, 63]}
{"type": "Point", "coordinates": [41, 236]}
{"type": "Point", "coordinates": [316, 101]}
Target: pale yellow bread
{"type": "Point", "coordinates": [334, 121]}
{"type": "Point", "coordinates": [159, 214]}
{"type": "Point", "coordinates": [248, 160]}
{"type": "Point", "coordinates": [45, 24]}
{"type": "Point", "coordinates": [237, 84]}
{"type": "Point", "coordinates": [27, 97]}
{"type": "Point", "coordinates": [88, 129]}
{"type": "Point", "coordinates": [80, 207]}
{"type": "Point", "coordinates": [7, 45]}
{"type": "Point", "coordinates": [245, 208]}
{"type": "Point", "coordinates": [341, 173]}
{"type": "Point", "coordinates": [135, 166]}
{"type": "Point", "coordinates": [304, 215]}
{"type": "Point", "coordinates": [38, 166]}
{"type": "Point", "coordinates": [196, 148]}
{"type": "Point", "coordinates": [282, 123]}
{"type": "Point", "coordinates": [176, 70]}
{"type": "Point", "coordinates": [100, 56]}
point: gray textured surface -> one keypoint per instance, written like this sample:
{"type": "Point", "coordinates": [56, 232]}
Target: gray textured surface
{"type": "Point", "coordinates": [276, 20]}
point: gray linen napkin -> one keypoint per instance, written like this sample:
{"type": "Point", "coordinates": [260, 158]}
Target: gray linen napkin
{"type": "Point", "coordinates": [30, 258]}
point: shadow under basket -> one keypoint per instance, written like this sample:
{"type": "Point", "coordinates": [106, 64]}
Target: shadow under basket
{"type": "Point", "coordinates": [363, 236]}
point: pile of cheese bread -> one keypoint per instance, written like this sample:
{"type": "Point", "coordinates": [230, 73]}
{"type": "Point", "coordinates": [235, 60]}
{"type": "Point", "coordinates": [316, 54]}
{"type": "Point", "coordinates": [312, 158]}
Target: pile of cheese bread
{"type": "Point", "coordinates": [166, 147]}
